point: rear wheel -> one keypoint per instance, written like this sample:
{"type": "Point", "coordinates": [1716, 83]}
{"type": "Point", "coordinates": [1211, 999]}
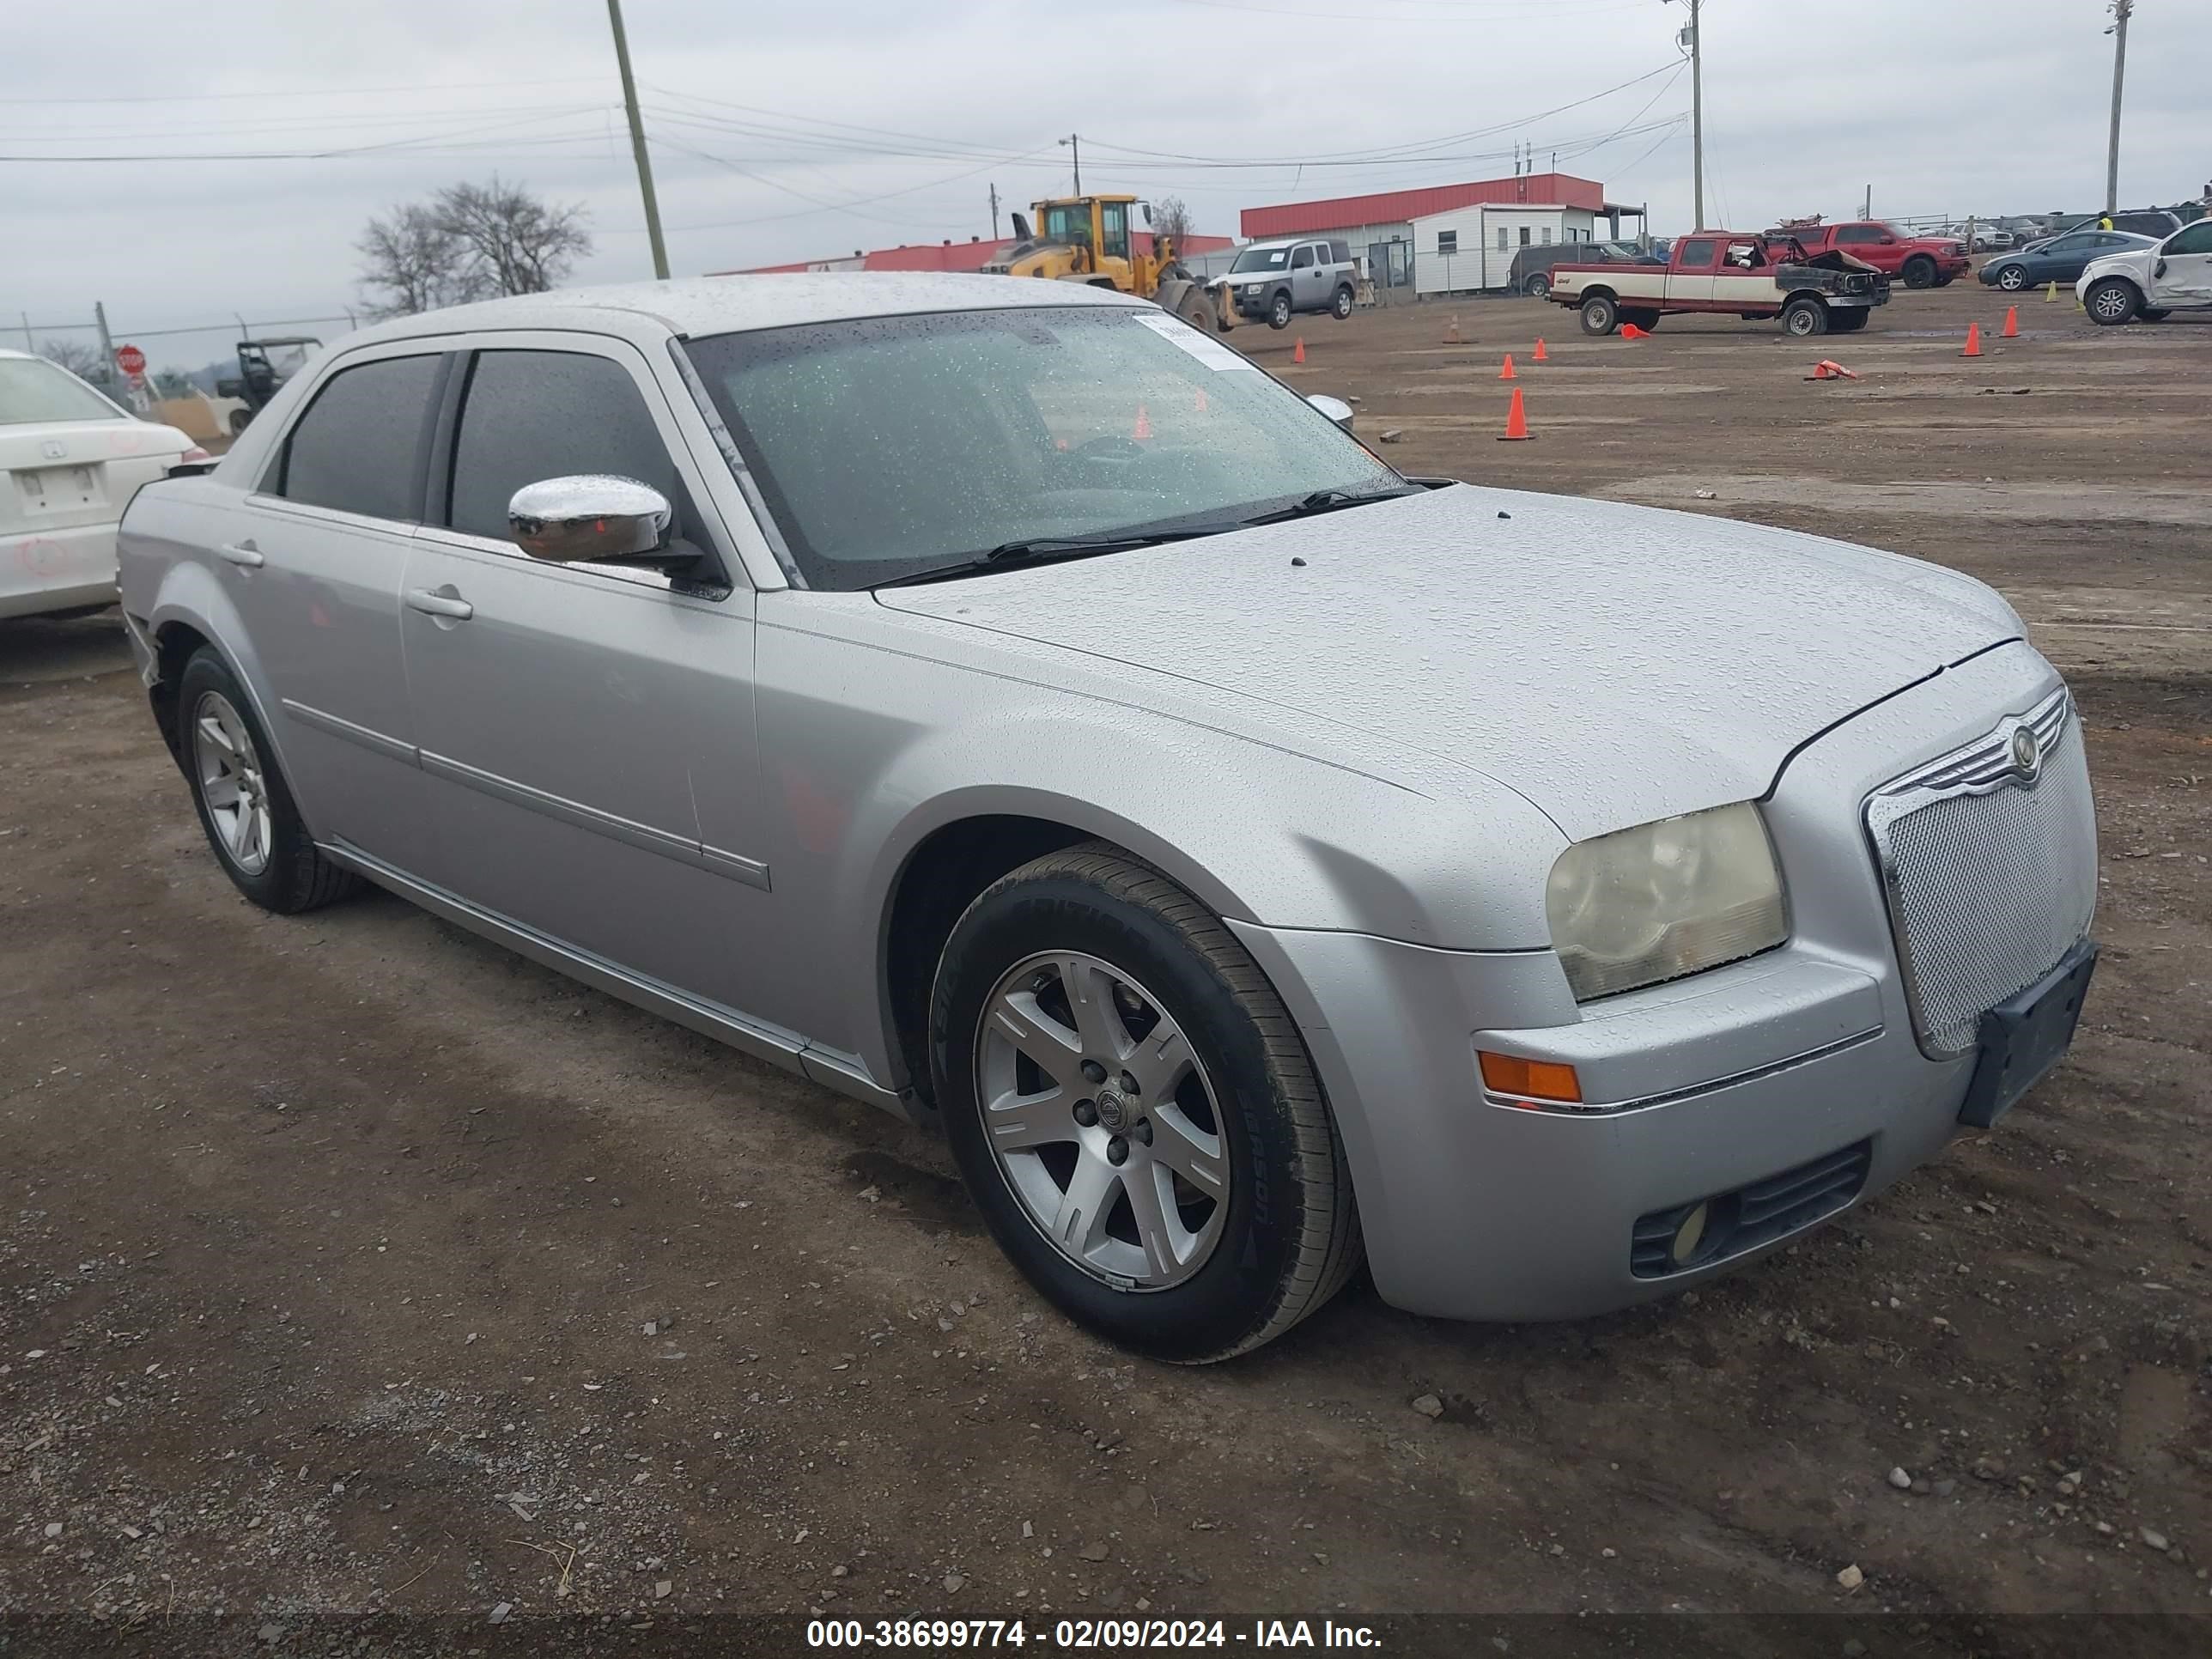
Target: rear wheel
{"type": "Point", "coordinates": [1341, 304]}
{"type": "Point", "coordinates": [245, 806]}
{"type": "Point", "coordinates": [1919, 271]}
{"type": "Point", "coordinates": [1600, 315]}
{"type": "Point", "coordinates": [1804, 318]}
{"type": "Point", "coordinates": [1538, 287]}
{"type": "Point", "coordinates": [1279, 311]}
{"type": "Point", "coordinates": [1135, 1112]}
{"type": "Point", "coordinates": [2112, 301]}
{"type": "Point", "coordinates": [2012, 278]}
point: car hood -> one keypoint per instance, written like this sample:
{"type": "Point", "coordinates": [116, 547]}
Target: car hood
{"type": "Point", "coordinates": [1613, 664]}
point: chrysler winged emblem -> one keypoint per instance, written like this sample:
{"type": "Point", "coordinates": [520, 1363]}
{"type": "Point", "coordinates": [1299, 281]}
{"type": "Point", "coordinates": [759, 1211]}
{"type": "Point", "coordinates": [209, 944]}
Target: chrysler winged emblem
{"type": "Point", "coordinates": [2026, 753]}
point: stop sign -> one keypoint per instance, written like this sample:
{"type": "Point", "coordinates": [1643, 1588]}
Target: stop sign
{"type": "Point", "coordinates": [130, 359]}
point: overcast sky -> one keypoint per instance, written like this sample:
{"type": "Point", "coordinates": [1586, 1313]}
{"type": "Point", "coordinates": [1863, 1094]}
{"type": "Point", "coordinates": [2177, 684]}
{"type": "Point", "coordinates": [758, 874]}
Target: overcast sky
{"type": "Point", "coordinates": [806, 128]}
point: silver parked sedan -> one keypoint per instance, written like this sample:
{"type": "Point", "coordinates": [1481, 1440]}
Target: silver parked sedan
{"type": "Point", "coordinates": [1003, 703]}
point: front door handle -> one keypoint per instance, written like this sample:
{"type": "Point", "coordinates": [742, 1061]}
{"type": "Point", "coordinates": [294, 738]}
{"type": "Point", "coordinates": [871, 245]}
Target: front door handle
{"type": "Point", "coordinates": [439, 604]}
{"type": "Point", "coordinates": [243, 553]}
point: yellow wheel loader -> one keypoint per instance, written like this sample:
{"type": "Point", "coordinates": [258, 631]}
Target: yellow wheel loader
{"type": "Point", "coordinates": [1090, 239]}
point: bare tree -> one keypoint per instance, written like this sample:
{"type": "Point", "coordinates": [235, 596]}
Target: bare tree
{"type": "Point", "coordinates": [82, 359]}
{"type": "Point", "coordinates": [411, 261]}
{"type": "Point", "coordinates": [515, 242]}
{"type": "Point", "coordinates": [1170, 217]}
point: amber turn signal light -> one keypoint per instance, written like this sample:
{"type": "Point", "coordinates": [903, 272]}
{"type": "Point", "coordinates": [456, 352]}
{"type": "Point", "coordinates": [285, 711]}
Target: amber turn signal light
{"type": "Point", "coordinates": [1537, 1079]}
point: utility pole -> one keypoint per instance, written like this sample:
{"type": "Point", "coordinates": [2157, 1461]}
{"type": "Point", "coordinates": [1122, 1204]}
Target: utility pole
{"type": "Point", "coordinates": [2122, 10]}
{"type": "Point", "coordinates": [1074, 141]}
{"type": "Point", "coordinates": [637, 143]}
{"type": "Point", "coordinates": [994, 213]}
{"type": "Point", "coordinates": [29, 344]}
{"type": "Point", "coordinates": [1691, 41]}
{"type": "Point", "coordinates": [107, 344]}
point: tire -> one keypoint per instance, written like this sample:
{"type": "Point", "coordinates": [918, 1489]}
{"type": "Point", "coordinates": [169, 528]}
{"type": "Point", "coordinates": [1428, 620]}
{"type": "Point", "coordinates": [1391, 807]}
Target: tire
{"type": "Point", "coordinates": [1646, 320]}
{"type": "Point", "coordinates": [1281, 1237]}
{"type": "Point", "coordinates": [2012, 278]}
{"type": "Point", "coordinates": [1945, 282]}
{"type": "Point", "coordinates": [2153, 316]}
{"type": "Point", "coordinates": [2112, 301]}
{"type": "Point", "coordinates": [1538, 287]}
{"type": "Point", "coordinates": [274, 862]}
{"type": "Point", "coordinates": [1340, 306]}
{"type": "Point", "coordinates": [1804, 318]}
{"type": "Point", "coordinates": [1197, 312]}
{"type": "Point", "coordinates": [1601, 314]}
{"type": "Point", "coordinates": [1846, 319]}
{"type": "Point", "coordinates": [239, 420]}
{"type": "Point", "coordinates": [1919, 271]}
{"type": "Point", "coordinates": [1279, 310]}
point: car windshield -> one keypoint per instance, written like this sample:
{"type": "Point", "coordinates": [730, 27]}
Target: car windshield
{"type": "Point", "coordinates": [886, 446]}
{"type": "Point", "coordinates": [33, 390]}
{"type": "Point", "coordinates": [1260, 258]}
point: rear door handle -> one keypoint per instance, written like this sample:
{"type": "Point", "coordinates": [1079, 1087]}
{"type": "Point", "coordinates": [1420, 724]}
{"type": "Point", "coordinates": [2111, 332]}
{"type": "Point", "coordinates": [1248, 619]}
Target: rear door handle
{"type": "Point", "coordinates": [243, 553]}
{"type": "Point", "coordinates": [439, 604]}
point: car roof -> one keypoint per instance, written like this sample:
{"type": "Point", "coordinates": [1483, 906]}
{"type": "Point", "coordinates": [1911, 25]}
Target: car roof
{"type": "Point", "coordinates": [697, 306]}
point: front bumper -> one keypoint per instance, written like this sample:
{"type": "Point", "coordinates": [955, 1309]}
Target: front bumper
{"type": "Point", "coordinates": [1794, 1072]}
{"type": "Point", "coordinates": [46, 570]}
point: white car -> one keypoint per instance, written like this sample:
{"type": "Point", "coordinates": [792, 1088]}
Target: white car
{"type": "Point", "coordinates": [69, 462]}
{"type": "Point", "coordinates": [2151, 283]}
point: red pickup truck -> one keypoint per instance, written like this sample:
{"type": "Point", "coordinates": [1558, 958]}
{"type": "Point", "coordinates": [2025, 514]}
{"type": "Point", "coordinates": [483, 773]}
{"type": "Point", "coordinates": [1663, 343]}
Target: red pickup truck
{"type": "Point", "coordinates": [1731, 272]}
{"type": "Point", "coordinates": [1918, 261]}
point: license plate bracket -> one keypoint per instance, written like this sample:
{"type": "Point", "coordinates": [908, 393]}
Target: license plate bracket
{"type": "Point", "coordinates": [2026, 1035]}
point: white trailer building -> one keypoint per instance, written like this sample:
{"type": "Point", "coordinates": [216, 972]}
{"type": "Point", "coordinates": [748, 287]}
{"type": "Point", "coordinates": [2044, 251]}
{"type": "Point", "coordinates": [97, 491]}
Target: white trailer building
{"type": "Point", "coordinates": [1464, 250]}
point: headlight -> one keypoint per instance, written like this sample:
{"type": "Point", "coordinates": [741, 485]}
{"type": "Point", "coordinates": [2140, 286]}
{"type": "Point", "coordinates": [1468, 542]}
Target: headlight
{"type": "Point", "coordinates": [1251, 288]}
{"type": "Point", "coordinates": [1665, 899]}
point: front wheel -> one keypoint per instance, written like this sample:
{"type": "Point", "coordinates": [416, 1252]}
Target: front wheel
{"type": "Point", "coordinates": [1600, 314]}
{"type": "Point", "coordinates": [1919, 271]}
{"type": "Point", "coordinates": [2152, 316]}
{"type": "Point", "coordinates": [1278, 312]}
{"type": "Point", "coordinates": [1804, 319]}
{"type": "Point", "coordinates": [2112, 301]}
{"type": "Point", "coordinates": [1135, 1112]}
{"type": "Point", "coordinates": [2012, 278]}
{"type": "Point", "coordinates": [1646, 320]}
{"type": "Point", "coordinates": [1340, 306]}
{"type": "Point", "coordinates": [244, 803]}
{"type": "Point", "coordinates": [1847, 320]}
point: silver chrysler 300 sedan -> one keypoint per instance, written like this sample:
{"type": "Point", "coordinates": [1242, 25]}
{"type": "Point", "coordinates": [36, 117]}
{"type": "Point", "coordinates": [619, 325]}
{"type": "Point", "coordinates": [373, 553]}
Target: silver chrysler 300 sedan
{"type": "Point", "coordinates": [1005, 704]}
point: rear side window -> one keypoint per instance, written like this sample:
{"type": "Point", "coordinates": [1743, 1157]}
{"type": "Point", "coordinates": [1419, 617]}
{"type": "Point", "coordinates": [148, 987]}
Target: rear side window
{"type": "Point", "coordinates": [530, 415]}
{"type": "Point", "coordinates": [358, 445]}
{"type": "Point", "coordinates": [1858, 234]}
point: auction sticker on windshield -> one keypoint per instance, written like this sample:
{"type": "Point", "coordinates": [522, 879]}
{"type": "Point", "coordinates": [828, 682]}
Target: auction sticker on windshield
{"type": "Point", "coordinates": [1207, 350]}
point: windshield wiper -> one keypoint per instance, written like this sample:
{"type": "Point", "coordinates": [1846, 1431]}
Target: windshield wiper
{"type": "Point", "coordinates": [1046, 550]}
{"type": "Point", "coordinates": [1328, 500]}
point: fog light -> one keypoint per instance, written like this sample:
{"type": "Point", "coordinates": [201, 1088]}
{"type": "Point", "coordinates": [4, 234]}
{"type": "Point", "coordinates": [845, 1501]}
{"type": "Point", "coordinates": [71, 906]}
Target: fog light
{"type": "Point", "coordinates": [1689, 1235]}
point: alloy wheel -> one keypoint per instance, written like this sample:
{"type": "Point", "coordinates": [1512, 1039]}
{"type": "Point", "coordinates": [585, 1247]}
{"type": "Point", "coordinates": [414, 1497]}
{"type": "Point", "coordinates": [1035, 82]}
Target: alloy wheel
{"type": "Point", "coordinates": [233, 785]}
{"type": "Point", "coordinates": [1102, 1121]}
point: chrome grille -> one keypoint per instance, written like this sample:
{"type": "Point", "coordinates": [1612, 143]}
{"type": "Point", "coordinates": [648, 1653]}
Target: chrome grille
{"type": "Point", "coordinates": [1991, 870]}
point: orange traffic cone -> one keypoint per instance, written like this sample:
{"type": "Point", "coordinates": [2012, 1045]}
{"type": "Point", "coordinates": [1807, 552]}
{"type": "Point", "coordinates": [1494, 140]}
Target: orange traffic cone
{"type": "Point", "coordinates": [1540, 356]}
{"type": "Point", "coordinates": [1974, 341]}
{"type": "Point", "coordinates": [1451, 333]}
{"type": "Point", "coordinates": [2012, 323]}
{"type": "Point", "coordinates": [1828, 369]}
{"type": "Point", "coordinates": [1629, 331]}
{"type": "Point", "coordinates": [1506, 372]}
{"type": "Point", "coordinates": [1517, 421]}
{"type": "Point", "coordinates": [1142, 432]}
{"type": "Point", "coordinates": [1299, 351]}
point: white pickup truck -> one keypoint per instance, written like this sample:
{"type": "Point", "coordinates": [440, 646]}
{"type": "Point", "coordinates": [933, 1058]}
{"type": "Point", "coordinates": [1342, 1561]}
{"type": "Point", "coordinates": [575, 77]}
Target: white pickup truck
{"type": "Point", "coordinates": [2150, 282]}
{"type": "Point", "coordinates": [1728, 272]}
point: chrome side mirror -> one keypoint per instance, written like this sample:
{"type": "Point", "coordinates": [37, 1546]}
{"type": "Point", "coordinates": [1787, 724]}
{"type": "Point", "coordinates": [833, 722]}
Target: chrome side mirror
{"type": "Point", "coordinates": [1335, 408]}
{"type": "Point", "coordinates": [589, 516]}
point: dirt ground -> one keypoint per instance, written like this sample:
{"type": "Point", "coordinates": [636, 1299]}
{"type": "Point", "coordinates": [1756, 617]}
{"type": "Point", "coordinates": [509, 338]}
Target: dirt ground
{"type": "Point", "coordinates": [351, 1266]}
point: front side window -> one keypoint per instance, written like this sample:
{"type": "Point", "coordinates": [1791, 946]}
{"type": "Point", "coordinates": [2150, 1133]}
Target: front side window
{"type": "Point", "coordinates": [530, 415]}
{"type": "Point", "coordinates": [33, 389]}
{"type": "Point", "coordinates": [887, 447]}
{"type": "Point", "coordinates": [2197, 238]}
{"type": "Point", "coordinates": [1302, 259]}
{"type": "Point", "coordinates": [1068, 222]}
{"type": "Point", "coordinates": [358, 445]}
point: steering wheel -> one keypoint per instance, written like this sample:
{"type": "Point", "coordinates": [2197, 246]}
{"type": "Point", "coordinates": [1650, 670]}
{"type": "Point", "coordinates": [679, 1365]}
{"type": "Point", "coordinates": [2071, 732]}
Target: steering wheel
{"type": "Point", "coordinates": [1109, 447]}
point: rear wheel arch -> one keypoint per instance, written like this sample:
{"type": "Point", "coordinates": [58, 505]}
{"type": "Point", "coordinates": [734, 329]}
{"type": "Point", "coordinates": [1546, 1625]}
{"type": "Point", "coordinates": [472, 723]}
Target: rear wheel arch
{"type": "Point", "coordinates": [173, 645]}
